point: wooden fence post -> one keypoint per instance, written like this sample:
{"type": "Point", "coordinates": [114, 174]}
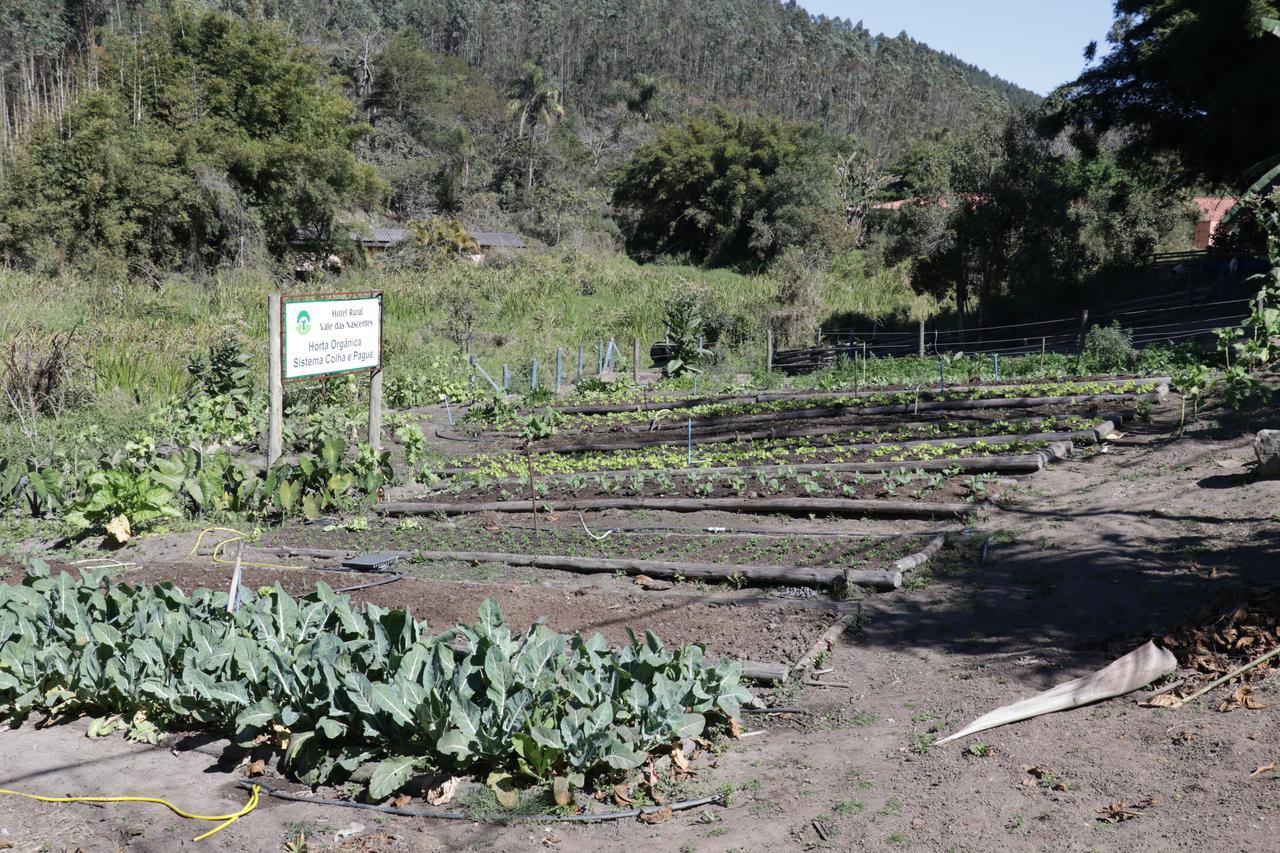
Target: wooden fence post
{"type": "Point", "coordinates": [375, 409]}
{"type": "Point", "coordinates": [275, 383]}
{"type": "Point", "coordinates": [922, 338]}
{"type": "Point", "coordinates": [768, 350]}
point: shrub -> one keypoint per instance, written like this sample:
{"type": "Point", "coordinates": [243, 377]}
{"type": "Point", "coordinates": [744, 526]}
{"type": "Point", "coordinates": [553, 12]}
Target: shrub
{"type": "Point", "coordinates": [1109, 349]}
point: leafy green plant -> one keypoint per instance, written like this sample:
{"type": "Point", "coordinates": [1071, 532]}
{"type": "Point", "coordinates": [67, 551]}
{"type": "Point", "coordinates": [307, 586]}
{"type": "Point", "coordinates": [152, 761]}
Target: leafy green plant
{"type": "Point", "coordinates": [684, 325]}
{"type": "Point", "coordinates": [412, 442]}
{"type": "Point", "coordinates": [332, 686]}
{"type": "Point", "coordinates": [114, 492]}
{"type": "Point", "coordinates": [1109, 349]}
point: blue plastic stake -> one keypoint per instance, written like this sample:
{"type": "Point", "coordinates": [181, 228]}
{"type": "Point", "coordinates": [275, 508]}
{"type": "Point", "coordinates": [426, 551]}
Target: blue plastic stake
{"type": "Point", "coordinates": [533, 375]}
{"type": "Point", "coordinates": [695, 385]}
{"type": "Point", "coordinates": [506, 378]}
{"type": "Point", "coordinates": [557, 370]}
{"type": "Point", "coordinates": [690, 443]}
{"type": "Point", "coordinates": [997, 359]}
{"type": "Point", "coordinates": [600, 357]}
{"type": "Point", "coordinates": [448, 411]}
{"type": "Point", "coordinates": [581, 350]}
{"type": "Point", "coordinates": [942, 375]}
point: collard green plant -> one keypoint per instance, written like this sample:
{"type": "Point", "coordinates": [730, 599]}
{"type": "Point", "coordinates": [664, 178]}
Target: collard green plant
{"type": "Point", "coordinates": [333, 686]}
{"type": "Point", "coordinates": [684, 326]}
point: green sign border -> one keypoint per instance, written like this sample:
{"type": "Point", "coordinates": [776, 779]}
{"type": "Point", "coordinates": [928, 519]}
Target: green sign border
{"type": "Point", "coordinates": [303, 299]}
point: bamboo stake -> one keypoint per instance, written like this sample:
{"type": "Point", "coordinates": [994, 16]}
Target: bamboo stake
{"type": "Point", "coordinates": [1230, 675]}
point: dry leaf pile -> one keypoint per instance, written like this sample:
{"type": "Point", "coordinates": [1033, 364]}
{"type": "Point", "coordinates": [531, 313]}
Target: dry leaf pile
{"type": "Point", "coordinates": [1228, 634]}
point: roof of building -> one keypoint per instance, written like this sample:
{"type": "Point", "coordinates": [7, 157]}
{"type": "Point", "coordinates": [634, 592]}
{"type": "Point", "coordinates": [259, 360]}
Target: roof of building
{"type": "Point", "coordinates": [380, 236]}
{"type": "Point", "coordinates": [1214, 207]}
{"type": "Point", "coordinates": [497, 239]}
{"type": "Point", "coordinates": [383, 237]}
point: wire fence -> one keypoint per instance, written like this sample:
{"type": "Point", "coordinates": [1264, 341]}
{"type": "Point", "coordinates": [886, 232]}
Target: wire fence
{"type": "Point", "coordinates": [1147, 325]}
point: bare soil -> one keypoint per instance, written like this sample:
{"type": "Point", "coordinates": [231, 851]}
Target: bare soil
{"type": "Point", "coordinates": [1096, 554]}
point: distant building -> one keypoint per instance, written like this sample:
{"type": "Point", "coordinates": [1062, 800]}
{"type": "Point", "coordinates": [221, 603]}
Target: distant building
{"type": "Point", "coordinates": [1212, 209]}
{"type": "Point", "coordinates": [497, 239]}
{"type": "Point", "coordinates": [379, 238]}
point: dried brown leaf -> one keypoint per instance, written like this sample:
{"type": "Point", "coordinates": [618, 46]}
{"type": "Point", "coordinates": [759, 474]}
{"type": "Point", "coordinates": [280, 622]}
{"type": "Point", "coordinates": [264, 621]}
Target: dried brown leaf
{"type": "Point", "coordinates": [659, 815]}
{"type": "Point", "coordinates": [445, 793]}
{"type": "Point", "coordinates": [561, 791]}
{"type": "Point", "coordinates": [622, 794]}
{"type": "Point", "coordinates": [401, 800]}
{"type": "Point", "coordinates": [735, 728]}
{"type": "Point", "coordinates": [1263, 768]}
{"type": "Point", "coordinates": [1164, 700]}
{"type": "Point", "coordinates": [256, 768]}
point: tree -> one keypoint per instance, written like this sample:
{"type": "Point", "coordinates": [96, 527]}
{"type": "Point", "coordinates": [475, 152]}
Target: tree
{"type": "Point", "coordinates": [1192, 81]}
{"type": "Point", "coordinates": [206, 135]}
{"type": "Point", "coordinates": [535, 99]}
{"type": "Point", "coordinates": [722, 188]}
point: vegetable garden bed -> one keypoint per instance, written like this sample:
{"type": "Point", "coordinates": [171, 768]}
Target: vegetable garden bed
{"type": "Point", "coordinates": [853, 551]}
{"type": "Point", "coordinates": [633, 398]}
{"type": "Point", "coordinates": [898, 481]}
{"type": "Point", "coordinates": [835, 443]}
{"type": "Point", "coordinates": [330, 686]}
{"type": "Point", "coordinates": [770, 505]}
{"type": "Point", "coordinates": [840, 405]}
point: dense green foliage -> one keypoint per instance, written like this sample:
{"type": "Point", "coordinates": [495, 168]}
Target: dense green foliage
{"type": "Point", "coordinates": [334, 686]}
{"type": "Point", "coordinates": [1193, 85]}
{"type": "Point", "coordinates": [205, 141]}
{"type": "Point", "coordinates": [503, 114]}
{"type": "Point", "coordinates": [723, 188]}
{"type": "Point", "coordinates": [1015, 217]}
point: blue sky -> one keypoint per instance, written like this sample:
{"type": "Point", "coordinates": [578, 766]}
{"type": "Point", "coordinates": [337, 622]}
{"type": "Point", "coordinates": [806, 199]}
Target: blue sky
{"type": "Point", "coordinates": [1034, 43]}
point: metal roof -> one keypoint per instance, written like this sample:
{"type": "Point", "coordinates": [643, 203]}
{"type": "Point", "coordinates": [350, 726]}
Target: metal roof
{"type": "Point", "coordinates": [379, 236]}
{"type": "Point", "coordinates": [497, 239]}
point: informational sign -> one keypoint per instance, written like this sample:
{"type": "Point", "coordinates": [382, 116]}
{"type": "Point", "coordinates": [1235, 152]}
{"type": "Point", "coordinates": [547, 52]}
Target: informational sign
{"type": "Point", "coordinates": [331, 333]}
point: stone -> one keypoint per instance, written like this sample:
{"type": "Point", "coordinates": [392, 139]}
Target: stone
{"type": "Point", "coordinates": [1267, 445]}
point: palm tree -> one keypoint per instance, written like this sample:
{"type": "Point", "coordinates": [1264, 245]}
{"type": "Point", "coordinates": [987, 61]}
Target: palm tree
{"type": "Point", "coordinates": [536, 100]}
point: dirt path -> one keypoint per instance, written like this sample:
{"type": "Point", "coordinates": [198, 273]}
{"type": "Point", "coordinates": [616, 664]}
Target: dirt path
{"type": "Point", "coordinates": [1098, 553]}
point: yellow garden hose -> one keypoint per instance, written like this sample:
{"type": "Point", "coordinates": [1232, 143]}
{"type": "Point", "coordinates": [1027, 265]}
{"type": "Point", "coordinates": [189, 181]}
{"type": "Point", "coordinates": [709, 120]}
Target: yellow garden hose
{"type": "Point", "coordinates": [238, 537]}
{"type": "Point", "coordinates": [224, 820]}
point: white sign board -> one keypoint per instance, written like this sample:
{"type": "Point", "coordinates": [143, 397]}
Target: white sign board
{"type": "Point", "coordinates": [328, 334]}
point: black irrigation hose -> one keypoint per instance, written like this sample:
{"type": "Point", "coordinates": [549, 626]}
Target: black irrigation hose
{"type": "Point", "coordinates": [371, 585]}
{"type": "Point", "coordinates": [449, 815]}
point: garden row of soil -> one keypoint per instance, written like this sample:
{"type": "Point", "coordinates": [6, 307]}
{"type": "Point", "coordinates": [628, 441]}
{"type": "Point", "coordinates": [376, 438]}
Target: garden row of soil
{"type": "Point", "coordinates": [713, 484]}
{"type": "Point", "coordinates": [1020, 463]}
{"type": "Point", "coordinates": [799, 550]}
{"type": "Point", "coordinates": [789, 575]}
{"type": "Point", "coordinates": [837, 436]}
{"type": "Point", "coordinates": [761, 630]}
{"type": "Point", "coordinates": [651, 404]}
{"type": "Point", "coordinates": [842, 422]}
{"type": "Point", "coordinates": [922, 402]}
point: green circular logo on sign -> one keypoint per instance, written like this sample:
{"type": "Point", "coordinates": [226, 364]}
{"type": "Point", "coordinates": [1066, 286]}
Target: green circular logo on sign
{"type": "Point", "coordinates": [304, 323]}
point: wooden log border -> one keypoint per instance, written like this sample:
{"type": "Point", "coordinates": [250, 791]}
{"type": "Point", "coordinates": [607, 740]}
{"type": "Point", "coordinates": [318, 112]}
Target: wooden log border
{"type": "Point", "coordinates": [765, 505]}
